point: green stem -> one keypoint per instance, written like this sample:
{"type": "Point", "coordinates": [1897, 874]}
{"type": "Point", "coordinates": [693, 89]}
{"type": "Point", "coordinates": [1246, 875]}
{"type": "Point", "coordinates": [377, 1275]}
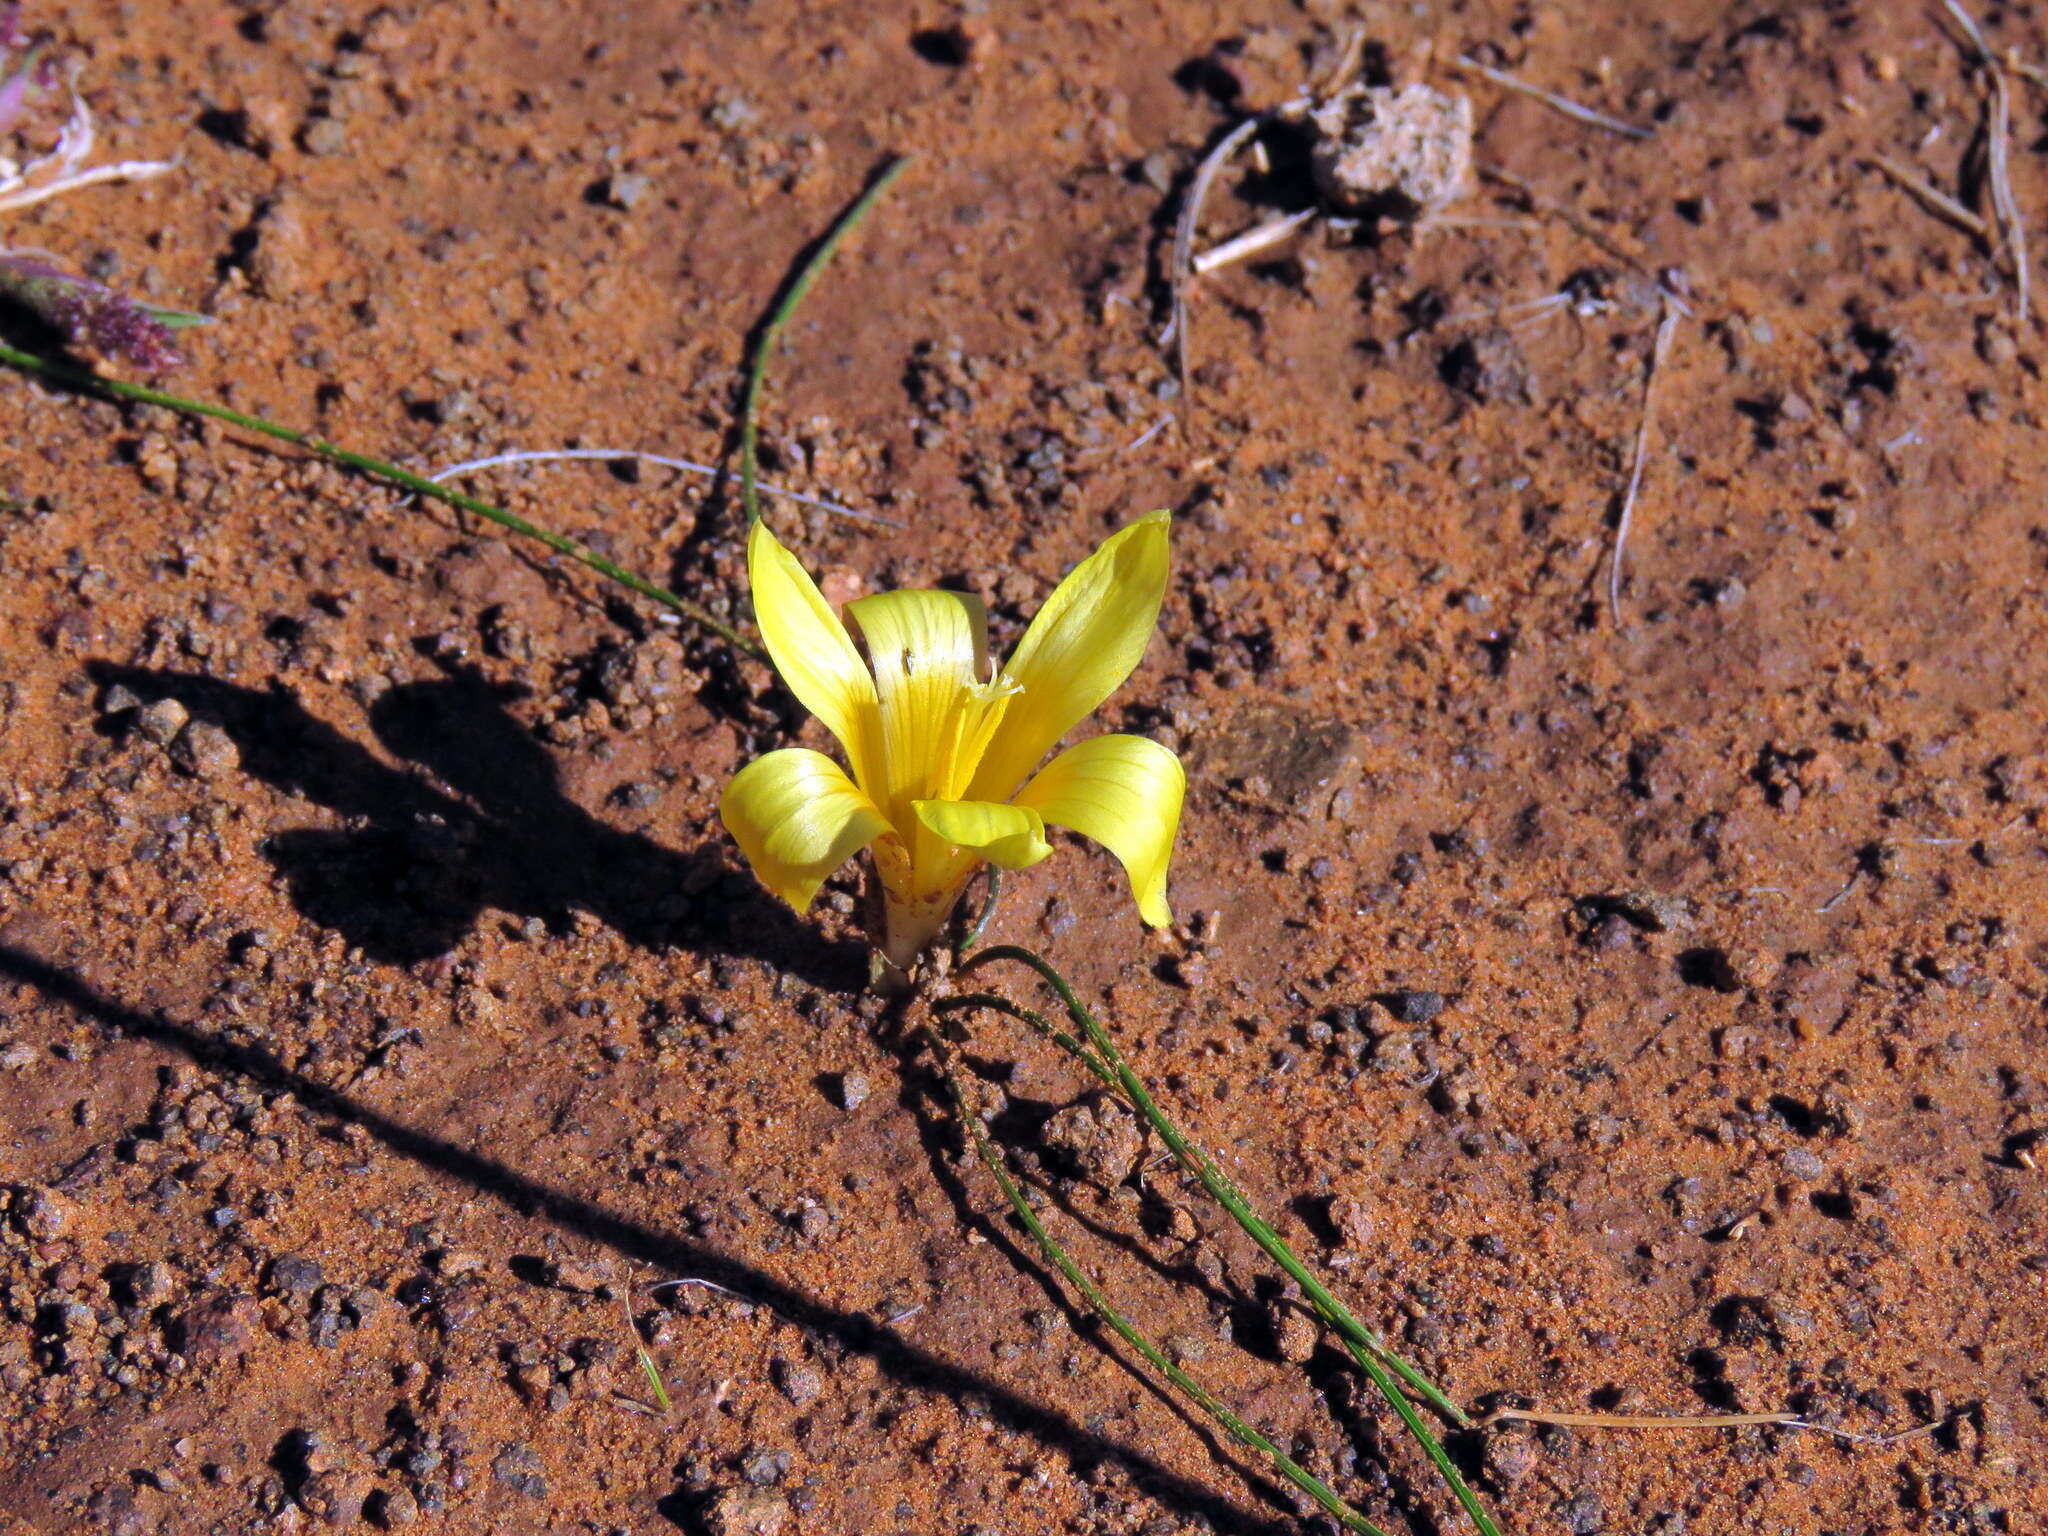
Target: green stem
{"type": "Point", "coordinates": [1364, 1345]}
{"type": "Point", "coordinates": [1059, 1258]}
{"type": "Point", "coordinates": [757, 368]}
{"type": "Point", "coordinates": [988, 910]}
{"type": "Point", "coordinates": [363, 463]}
{"type": "Point", "coordinates": [1213, 1179]}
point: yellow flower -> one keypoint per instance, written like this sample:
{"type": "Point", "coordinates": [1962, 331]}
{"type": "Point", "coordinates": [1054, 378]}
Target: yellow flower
{"type": "Point", "coordinates": [942, 751]}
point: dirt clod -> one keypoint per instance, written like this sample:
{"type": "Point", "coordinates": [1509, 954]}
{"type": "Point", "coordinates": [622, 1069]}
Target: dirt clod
{"type": "Point", "coordinates": [1095, 1137]}
{"type": "Point", "coordinates": [799, 1381]}
{"type": "Point", "coordinates": [746, 1512]}
{"type": "Point", "coordinates": [41, 1214]}
{"type": "Point", "coordinates": [1511, 1454]}
{"type": "Point", "coordinates": [147, 1284]}
{"type": "Point", "coordinates": [1352, 1218]}
{"type": "Point", "coordinates": [218, 1328]}
{"type": "Point", "coordinates": [394, 1508]}
{"type": "Point", "coordinates": [1405, 151]}
{"type": "Point", "coordinates": [1487, 366]}
{"type": "Point", "coordinates": [334, 1496]}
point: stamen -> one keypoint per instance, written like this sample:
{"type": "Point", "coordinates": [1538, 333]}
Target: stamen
{"type": "Point", "coordinates": [982, 708]}
{"type": "Point", "coordinates": [1001, 686]}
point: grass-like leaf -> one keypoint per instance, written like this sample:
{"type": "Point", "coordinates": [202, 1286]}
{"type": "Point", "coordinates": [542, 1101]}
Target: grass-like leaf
{"type": "Point", "coordinates": [1379, 1363]}
{"type": "Point", "coordinates": [1058, 1257]}
{"type": "Point", "coordinates": [757, 369]}
{"type": "Point", "coordinates": [380, 469]}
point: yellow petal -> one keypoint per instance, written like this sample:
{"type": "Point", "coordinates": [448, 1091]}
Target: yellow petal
{"type": "Point", "coordinates": [1125, 793]}
{"type": "Point", "coordinates": [1008, 836]}
{"type": "Point", "coordinates": [797, 817]}
{"type": "Point", "coordinates": [928, 650]}
{"type": "Point", "coordinates": [809, 646]}
{"type": "Point", "coordinates": [1085, 641]}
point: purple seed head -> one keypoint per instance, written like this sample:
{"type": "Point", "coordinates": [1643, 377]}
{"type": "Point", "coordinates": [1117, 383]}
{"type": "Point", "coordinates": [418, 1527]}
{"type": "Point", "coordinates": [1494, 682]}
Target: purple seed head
{"type": "Point", "coordinates": [88, 314]}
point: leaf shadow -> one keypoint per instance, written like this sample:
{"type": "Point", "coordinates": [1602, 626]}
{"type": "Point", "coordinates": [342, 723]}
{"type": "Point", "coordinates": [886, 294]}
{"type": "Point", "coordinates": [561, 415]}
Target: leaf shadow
{"type": "Point", "coordinates": [532, 1199]}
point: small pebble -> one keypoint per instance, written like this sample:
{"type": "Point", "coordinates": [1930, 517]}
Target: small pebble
{"type": "Point", "coordinates": [799, 1381]}
{"type": "Point", "coordinates": [323, 136]}
{"type": "Point", "coordinates": [160, 722]}
{"type": "Point", "coordinates": [205, 751]}
{"type": "Point", "coordinates": [518, 1468]}
{"type": "Point", "coordinates": [624, 191]}
{"type": "Point", "coordinates": [1583, 1514]}
{"type": "Point", "coordinates": [1294, 1332]}
{"type": "Point", "coordinates": [1802, 1165]}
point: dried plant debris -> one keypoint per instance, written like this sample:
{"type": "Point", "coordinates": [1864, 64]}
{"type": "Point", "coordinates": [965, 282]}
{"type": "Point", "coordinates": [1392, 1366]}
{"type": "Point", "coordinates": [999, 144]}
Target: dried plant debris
{"type": "Point", "coordinates": [1401, 152]}
{"type": "Point", "coordinates": [91, 316]}
{"type": "Point", "coordinates": [35, 88]}
{"type": "Point", "coordinates": [31, 78]}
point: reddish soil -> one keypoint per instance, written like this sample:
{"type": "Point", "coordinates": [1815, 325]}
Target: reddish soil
{"type": "Point", "coordinates": [373, 1042]}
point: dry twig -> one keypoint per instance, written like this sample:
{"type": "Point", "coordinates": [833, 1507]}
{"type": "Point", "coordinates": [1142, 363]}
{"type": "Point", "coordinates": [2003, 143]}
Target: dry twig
{"type": "Point", "coordinates": [1184, 236]}
{"type": "Point", "coordinates": [1698, 1421]}
{"type": "Point", "coordinates": [2012, 224]}
{"type": "Point", "coordinates": [1260, 237]}
{"type": "Point", "coordinates": [1671, 311]}
{"type": "Point", "coordinates": [1932, 198]}
{"type": "Point", "coordinates": [686, 466]}
{"type": "Point", "coordinates": [1552, 100]}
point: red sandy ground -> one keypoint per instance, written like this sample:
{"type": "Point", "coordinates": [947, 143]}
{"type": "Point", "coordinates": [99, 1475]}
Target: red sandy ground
{"type": "Point", "coordinates": [366, 1056]}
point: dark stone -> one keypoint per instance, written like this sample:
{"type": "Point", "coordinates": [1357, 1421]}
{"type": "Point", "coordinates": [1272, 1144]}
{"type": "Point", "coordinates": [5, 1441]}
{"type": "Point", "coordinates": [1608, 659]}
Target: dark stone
{"type": "Point", "coordinates": [1583, 1513]}
{"type": "Point", "coordinates": [1415, 1007]}
{"type": "Point", "coordinates": [518, 1467]}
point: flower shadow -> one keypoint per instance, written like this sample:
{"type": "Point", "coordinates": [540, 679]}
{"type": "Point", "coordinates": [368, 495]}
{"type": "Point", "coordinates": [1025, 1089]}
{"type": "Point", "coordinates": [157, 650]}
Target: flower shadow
{"type": "Point", "coordinates": [479, 824]}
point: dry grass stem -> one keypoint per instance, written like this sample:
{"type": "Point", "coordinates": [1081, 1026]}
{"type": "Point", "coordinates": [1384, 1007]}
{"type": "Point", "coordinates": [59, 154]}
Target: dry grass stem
{"type": "Point", "coordinates": [1672, 312]}
{"type": "Point", "coordinates": [687, 466]}
{"type": "Point", "coordinates": [1550, 99]}
{"type": "Point", "coordinates": [64, 170]}
{"type": "Point", "coordinates": [1933, 198]}
{"type": "Point", "coordinates": [1184, 236]}
{"type": "Point", "coordinates": [2005, 206]}
{"type": "Point", "coordinates": [1834, 901]}
{"type": "Point", "coordinates": [2032, 73]}
{"type": "Point", "coordinates": [1148, 434]}
{"type": "Point", "coordinates": [1698, 1421]}
{"type": "Point", "coordinates": [1343, 67]}
{"type": "Point", "coordinates": [1261, 237]}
